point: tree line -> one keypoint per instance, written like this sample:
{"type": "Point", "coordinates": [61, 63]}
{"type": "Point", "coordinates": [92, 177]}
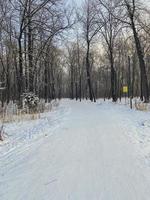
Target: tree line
{"type": "Point", "coordinates": [58, 51]}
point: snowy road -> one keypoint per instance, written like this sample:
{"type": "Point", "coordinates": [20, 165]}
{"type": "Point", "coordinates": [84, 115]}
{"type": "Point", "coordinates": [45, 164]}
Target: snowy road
{"type": "Point", "coordinates": [90, 156]}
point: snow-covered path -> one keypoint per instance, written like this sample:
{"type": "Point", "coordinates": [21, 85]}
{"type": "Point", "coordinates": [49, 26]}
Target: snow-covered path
{"type": "Point", "coordinates": [91, 156]}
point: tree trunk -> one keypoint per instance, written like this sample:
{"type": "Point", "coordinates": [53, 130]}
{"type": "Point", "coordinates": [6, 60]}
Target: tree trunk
{"type": "Point", "coordinates": [46, 83]}
{"type": "Point", "coordinates": [72, 88]}
{"type": "Point", "coordinates": [20, 74]}
{"type": "Point", "coordinates": [129, 77]}
{"type": "Point", "coordinates": [113, 78]}
{"type": "Point", "coordinates": [88, 73]}
{"type": "Point", "coordinates": [30, 50]}
{"type": "Point", "coordinates": [144, 81]}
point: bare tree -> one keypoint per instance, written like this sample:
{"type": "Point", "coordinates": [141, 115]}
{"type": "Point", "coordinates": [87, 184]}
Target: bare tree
{"type": "Point", "coordinates": [90, 30]}
{"type": "Point", "coordinates": [110, 32]}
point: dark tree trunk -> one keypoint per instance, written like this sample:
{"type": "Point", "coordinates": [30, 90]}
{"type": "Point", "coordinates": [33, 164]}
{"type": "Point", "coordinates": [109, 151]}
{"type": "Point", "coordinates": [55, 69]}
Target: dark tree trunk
{"type": "Point", "coordinates": [46, 83]}
{"type": "Point", "coordinates": [20, 74]}
{"type": "Point", "coordinates": [30, 50]}
{"type": "Point", "coordinates": [53, 83]}
{"type": "Point", "coordinates": [129, 77]}
{"type": "Point", "coordinates": [91, 95]}
{"type": "Point", "coordinates": [8, 81]}
{"type": "Point", "coordinates": [72, 88]}
{"type": "Point", "coordinates": [133, 76]}
{"type": "Point", "coordinates": [76, 88]}
{"type": "Point", "coordinates": [144, 81]}
{"type": "Point", "coordinates": [80, 87]}
{"type": "Point", "coordinates": [25, 59]}
{"type": "Point", "coordinates": [113, 78]}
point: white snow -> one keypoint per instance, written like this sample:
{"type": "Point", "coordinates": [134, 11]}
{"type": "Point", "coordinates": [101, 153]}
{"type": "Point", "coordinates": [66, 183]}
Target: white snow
{"type": "Point", "coordinates": [80, 151]}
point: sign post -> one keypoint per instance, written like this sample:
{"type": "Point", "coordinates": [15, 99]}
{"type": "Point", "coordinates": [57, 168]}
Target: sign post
{"type": "Point", "coordinates": [2, 88]}
{"type": "Point", "coordinates": [125, 91]}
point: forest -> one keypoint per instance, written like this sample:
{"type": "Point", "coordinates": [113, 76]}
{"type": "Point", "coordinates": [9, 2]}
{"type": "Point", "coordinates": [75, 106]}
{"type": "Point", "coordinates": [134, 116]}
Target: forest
{"type": "Point", "coordinates": [55, 49]}
{"type": "Point", "coordinates": [74, 99]}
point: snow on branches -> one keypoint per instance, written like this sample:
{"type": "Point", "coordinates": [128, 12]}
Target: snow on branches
{"type": "Point", "coordinates": [30, 101]}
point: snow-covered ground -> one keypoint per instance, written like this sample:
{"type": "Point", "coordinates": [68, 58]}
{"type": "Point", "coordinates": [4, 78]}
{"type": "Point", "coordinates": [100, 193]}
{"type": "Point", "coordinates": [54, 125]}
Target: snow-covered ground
{"type": "Point", "coordinates": [79, 151]}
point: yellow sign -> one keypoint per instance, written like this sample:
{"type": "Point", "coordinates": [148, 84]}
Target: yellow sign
{"type": "Point", "coordinates": [125, 89]}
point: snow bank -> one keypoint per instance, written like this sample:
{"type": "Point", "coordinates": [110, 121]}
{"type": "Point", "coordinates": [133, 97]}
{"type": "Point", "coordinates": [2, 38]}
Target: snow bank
{"type": "Point", "coordinates": [19, 134]}
{"type": "Point", "coordinates": [135, 123]}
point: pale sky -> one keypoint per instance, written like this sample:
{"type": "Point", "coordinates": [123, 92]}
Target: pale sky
{"type": "Point", "coordinates": [147, 2]}
{"type": "Point", "coordinates": [80, 1]}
